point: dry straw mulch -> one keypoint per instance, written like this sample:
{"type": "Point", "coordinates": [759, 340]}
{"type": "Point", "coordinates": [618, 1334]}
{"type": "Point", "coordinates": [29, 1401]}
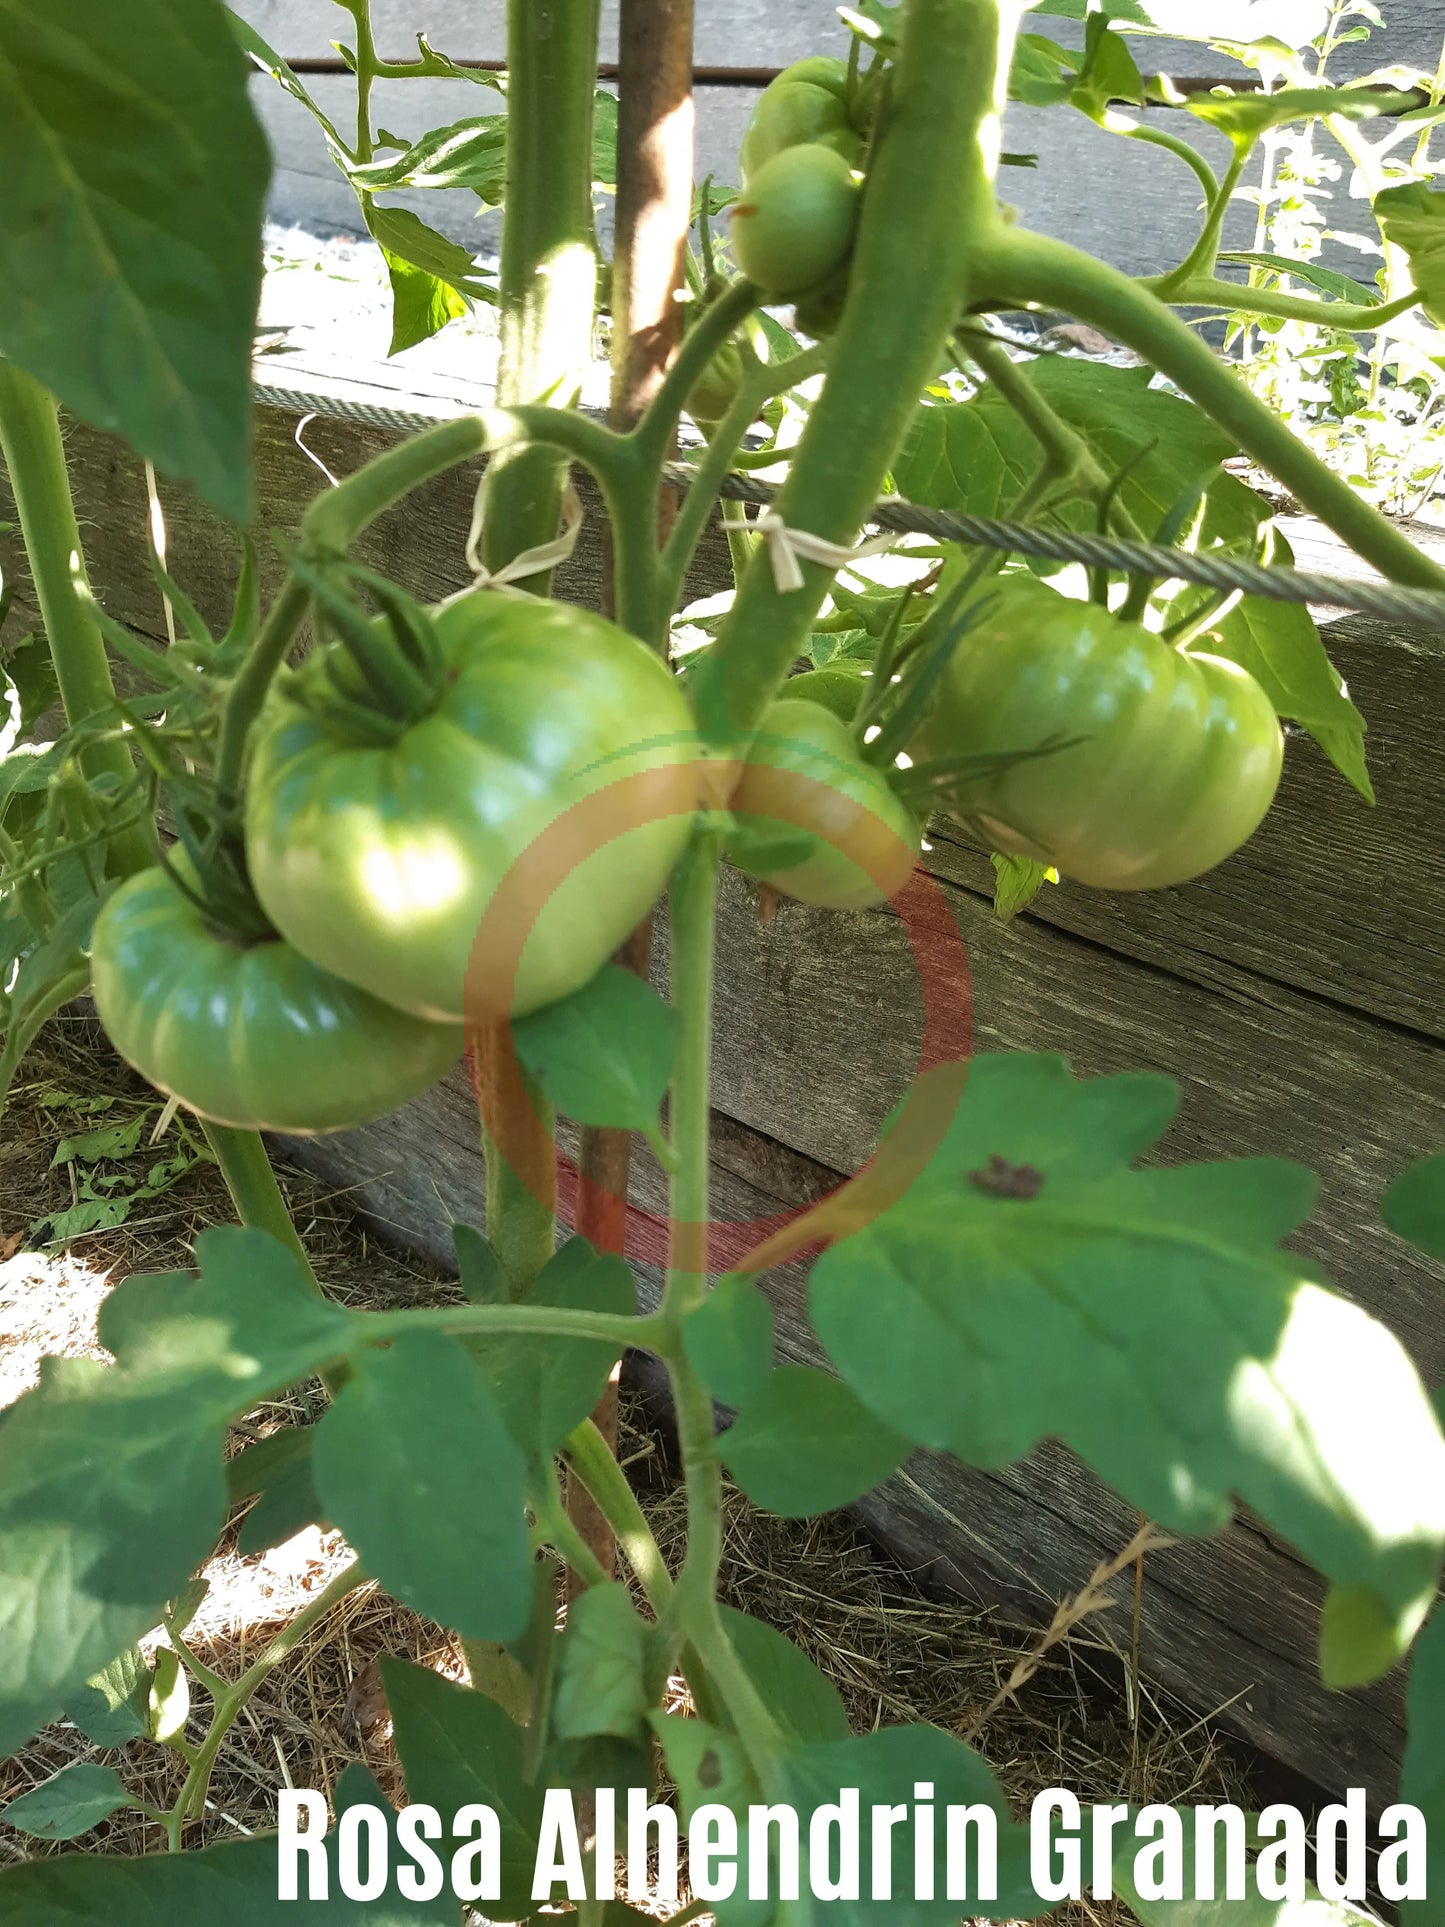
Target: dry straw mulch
{"type": "Point", "coordinates": [895, 1653]}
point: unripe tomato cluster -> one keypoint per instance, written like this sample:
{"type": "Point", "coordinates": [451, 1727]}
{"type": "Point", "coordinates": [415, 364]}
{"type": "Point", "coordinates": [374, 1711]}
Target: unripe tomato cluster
{"type": "Point", "coordinates": [792, 225]}
{"type": "Point", "coordinates": [484, 861]}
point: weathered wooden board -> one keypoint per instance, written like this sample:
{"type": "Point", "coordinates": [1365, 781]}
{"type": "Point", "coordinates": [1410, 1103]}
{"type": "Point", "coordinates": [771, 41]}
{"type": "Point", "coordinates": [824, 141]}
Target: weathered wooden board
{"type": "Point", "coordinates": [1293, 994]}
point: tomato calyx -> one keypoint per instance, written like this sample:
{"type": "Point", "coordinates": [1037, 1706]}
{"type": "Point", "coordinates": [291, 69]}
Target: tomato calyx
{"type": "Point", "coordinates": [375, 674]}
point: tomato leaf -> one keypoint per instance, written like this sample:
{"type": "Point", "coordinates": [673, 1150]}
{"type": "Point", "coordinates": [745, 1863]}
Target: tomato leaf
{"type": "Point", "coordinates": [545, 1387]}
{"type": "Point", "coordinates": [458, 1748]}
{"type": "Point", "coordinates": [603, 1055]}
{"type": "Point", "coordinates": [1017, 880]}
{"type": "Point", "coordinates": [230, 1885]}
{"type": "Point", "coordinates": [1414, 1206]}
{"type": "Point", "coordinates": [885, 1766]}
{"type": "Point", "coordinates": [467, 153]}
{"type": "Point", "coordinates": [799, 1697]}
{"type": "Point", "coordinates": [1244, 117]}
{"type": "Point", "coordinates": [414, 1464]}
{"type": "Point", "coordinates": [976, 456]}
{"type": "Point", "coordinates": [1422, 1781]}
{"type": "Point", "coordinates": [110, 1708]}
{"type": "Point", "coordinates": [1341, 287]}
{"type": "Point", "coordinates": [277, 1473]}
{"type": "Point", "coordinates": [111, 1494]}
{"type": "Point", "coordinates": [71, 1801]}
{"type": "Point", "coordinates": [804, 1444]}
{"type": "Point", "coordinates": [1038, 1286]}
{"type": "Point", "coordinates": [1278, 643]}
{"type": "Point", "coordinates": [729, 1340]}
{"type": "Point", "coordinates": [482, 1276]}
{"type": "Point", "coordinates": [1412, 217]}
{"type": "Point", "coordinates": [433, 280]}
{"type": "Point", "coordinates": [131, 222]}
{"type": "Point", "coordinates": [248, 1318]}
{"type": "Point", "coordinates": [599, 1688]}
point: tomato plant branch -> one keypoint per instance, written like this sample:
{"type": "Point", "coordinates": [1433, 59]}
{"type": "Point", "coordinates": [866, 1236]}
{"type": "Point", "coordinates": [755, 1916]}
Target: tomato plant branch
{"type": "Point", "coordinates": [248, 691]}
{"type": "Point", "coordinates": [35, 459]}
{"type": "Point", "coordinates": [590, 1457]}
{"type": "Point", "coordinates": [931, 174]}
{"type": "Point", "coordinates": [338, 515]}
{"type": "Point", "coordinates": [1031, 269]}
{"type": "Point", "coordinates": [190, 1800]}
{"type": "Point", "coordinates": [759, 387]}
{"type": "Point", "coordinates": [545, 1321]}
{"type": "Point", "coordinates": [653, 435]}
{"type": "Point", "coordinates": [554, 1528]}
{"type": "Point", "coordinates": [1349, 317]}
{"type": "Point", "coordinates": [1116, 123]}
{"type": "Point", "coordinates": [1203, 256]}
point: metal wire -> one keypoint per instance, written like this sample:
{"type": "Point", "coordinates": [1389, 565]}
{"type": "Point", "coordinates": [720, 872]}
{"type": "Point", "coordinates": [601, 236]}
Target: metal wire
{"type": "Point", "coordinates": [1371, 596]}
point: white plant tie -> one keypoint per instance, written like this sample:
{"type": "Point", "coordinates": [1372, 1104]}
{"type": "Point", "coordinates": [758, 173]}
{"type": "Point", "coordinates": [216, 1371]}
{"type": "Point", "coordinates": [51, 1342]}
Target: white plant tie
{"type": "Point", "coordinates": [535, 561]}
{"type": "Point", "coordinates": [789, 548]}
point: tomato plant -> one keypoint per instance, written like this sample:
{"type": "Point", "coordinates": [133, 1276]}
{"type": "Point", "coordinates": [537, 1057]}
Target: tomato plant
{"type": "Point", "coordinates": [1004, 1275]}
{"type": "Point", "coordinates": [1138, 765]}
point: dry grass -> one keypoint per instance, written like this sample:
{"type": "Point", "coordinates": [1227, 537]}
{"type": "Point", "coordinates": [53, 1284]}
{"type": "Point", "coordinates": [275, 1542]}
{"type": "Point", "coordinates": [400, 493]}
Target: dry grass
{"type": "Point", "coordinates": [895, 1653]}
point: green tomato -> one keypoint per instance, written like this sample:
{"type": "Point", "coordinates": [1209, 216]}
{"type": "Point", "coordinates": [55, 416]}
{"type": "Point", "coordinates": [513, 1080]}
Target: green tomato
{"type": "Point", "coordinates": [716, 388]}
{"type": "Point", "coordinates": [805, 104]}
{"type": "Point", "coordinates": [794, 225]}
{"type": "Point", "coordinates": [252, 1035]}
{"type": "Point", "coordinates": [379, 862]}
{"type": "Point", "coordinates": [804, 773]}
{"type": "Point", "coordinates": [1166, 761]}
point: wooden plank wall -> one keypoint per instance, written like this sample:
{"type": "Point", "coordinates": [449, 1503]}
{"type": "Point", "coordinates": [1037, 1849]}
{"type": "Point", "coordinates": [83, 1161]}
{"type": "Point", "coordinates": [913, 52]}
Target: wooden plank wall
{"type": "Point", "coordinates": [1294, 993]}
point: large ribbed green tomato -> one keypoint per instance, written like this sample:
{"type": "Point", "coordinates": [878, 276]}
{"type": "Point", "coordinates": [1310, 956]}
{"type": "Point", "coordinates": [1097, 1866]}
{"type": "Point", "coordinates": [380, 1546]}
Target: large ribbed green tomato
{"type": "Point", "coordinates": [379, 862]}
{"type": "Point", "coordinates": [807, 102]}
{"type": "Point", "coordinates": [804, 773]}
{"type": "Point", "coordinates": [793, 225]}
{"type": "Point", "coordinates": [1174, 757]}
{"type": "Point", "coordinates": [253, 1035]}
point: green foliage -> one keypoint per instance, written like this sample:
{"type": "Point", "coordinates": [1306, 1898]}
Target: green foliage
{"type": "Point", "coordinates": [276, 1472]}
{"type": "Point", "coordinates": [458, 1747]}
{"type": "Point", "coordinates": [1037, 1285]}
{"type": "Point", "coordinates": [230, 1885]}
{"type": "Point", "coordinates": [603, 1055]}
{"type": "Point", "coordinates": [543, 1387]}
{"type": "Point", "coordinates": [599, 1689]}
{"type": "Point", "coordinates": [1414, 1206]}
{"type": "Point", "coordinates": [729, 1340]}
{"type": "Point", "coordinates": [1412, 217]}
{"type": "Point", "coordinates": [133, 212]}
{"type": "Point", "coordinates": [804, 1702]}
{"type": "Point", "coordinates": [1423, 1779]}
{"type": "Point", "coordinates": [105, 1197]}
{"type": "Point", "coordinates": [71, 1802]}
{"type": "Point", "coordinates": [885, 1766]}
{"type": "Point", "coordinates": [414, 1463]}
{"type": "Point", "coordinates": [804, 1444]}
{"type": "Point", "coordinates": [112, 1706]}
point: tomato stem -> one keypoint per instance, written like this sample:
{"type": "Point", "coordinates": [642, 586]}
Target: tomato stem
{"type": "Point", "coordinates": [1034, 270]}
{"type": "Point", "coordinates": [549, 259]}
{"type": "Point", "coordinates": [591, 1459]}
{"type": "Point", "coordinates": [35, 458]}
{"type": "Point", "coordinates": [928, 207]}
